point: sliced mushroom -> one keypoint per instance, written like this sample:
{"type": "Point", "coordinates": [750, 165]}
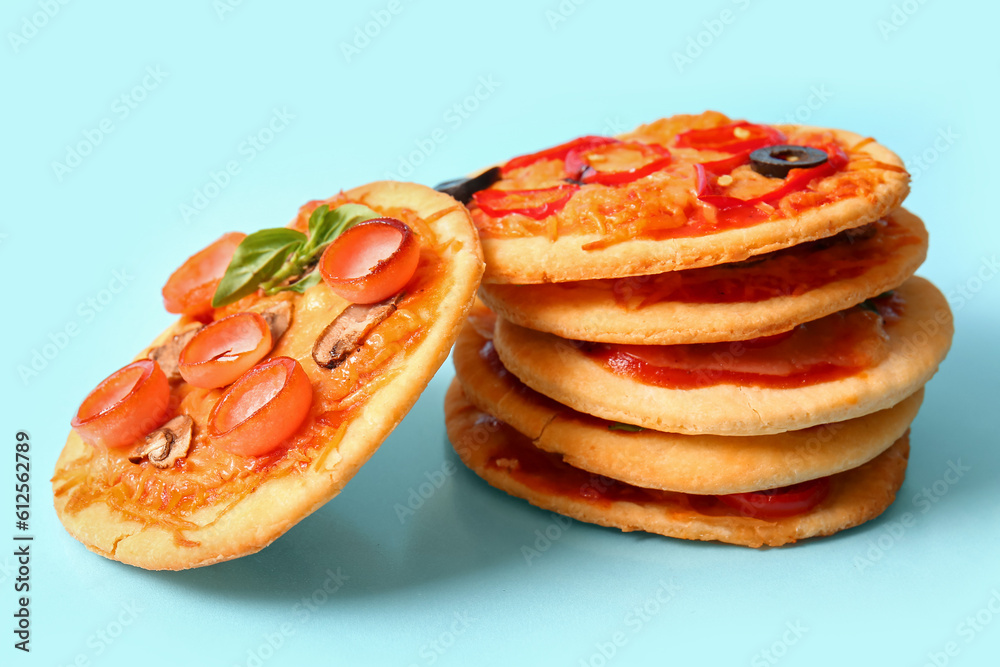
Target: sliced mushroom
{"type": "Point", "coordinates": [349, 330]}
{"type": "Point", "coordinates": [167, 444]}
{"type": "Point", "coordinates": [168, 354]}
{"type": "Point", "coordinates": [278, 317]}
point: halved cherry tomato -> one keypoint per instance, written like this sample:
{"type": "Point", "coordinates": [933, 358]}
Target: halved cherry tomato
{"type": "Point", "coordinates": [595, 164]}
{"type": "Point", "coordinates": [535, 204]}
{"type": "Point", "coordinates": [371, 261]}
{"type": "Point", "coordinates": [557, 152]}
{"type": "Point", "coordinates": [732, 138]}
{"type": "Point", "coordinates": [779, 503]}
{"type": "Point", "coordinates": [127, 405]}
{"type": "Point", "coordinates": [225, 350]}
{"type": "Point", "coordinates": [190, 288]}
{"type": "Point", "coordinates": [262, 409]}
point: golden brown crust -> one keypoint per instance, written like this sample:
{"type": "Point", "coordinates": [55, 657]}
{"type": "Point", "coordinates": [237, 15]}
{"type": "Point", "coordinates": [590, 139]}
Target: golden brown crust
{"type": "Point", "coordinates": [538, 259]}
{"type": "Point", "coordinates": [592, 313]}
{"type": "Point", "coordinates": [855, 496]}
{"type": "Point", "coordinates": [701, 464]}
{"type": "Point", "coordinates": [558, 369]}
{"type": "Point", "coordinates": [223, 531]}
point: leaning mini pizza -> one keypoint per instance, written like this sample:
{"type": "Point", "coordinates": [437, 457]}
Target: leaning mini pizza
{"type": "Point", "coordinates": [297, 351]}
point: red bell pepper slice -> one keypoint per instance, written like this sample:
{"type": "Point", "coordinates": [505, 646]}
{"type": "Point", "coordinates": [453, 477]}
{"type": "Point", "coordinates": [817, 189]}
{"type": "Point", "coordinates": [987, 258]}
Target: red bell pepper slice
{"type": "Point", "coordinates": [579, 168]}
{"type": "Point", "coordinates": [727, 139]}
{"type": "Point", "coordinates": [558, 152]}
{"type": "Point", "coordinates": [797, 179]}
{"type": "Point", "coordinates": [537, 204]}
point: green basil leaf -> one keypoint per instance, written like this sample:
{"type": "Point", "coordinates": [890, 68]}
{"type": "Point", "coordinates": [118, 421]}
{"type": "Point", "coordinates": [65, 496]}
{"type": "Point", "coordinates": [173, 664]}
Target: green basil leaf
{"type": "Point", "coordinates": [258, 257]}
{"type": "Point", "coordinates": [302, 285]}
{"type": "Point", "coordinates": [316, 219]}
{"type": "Point", "coordinates": [631, 428]}
{"type": "Point", "coordinates": [331, 224]}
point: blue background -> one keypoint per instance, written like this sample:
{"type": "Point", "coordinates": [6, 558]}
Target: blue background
{"type": "Point", "coordinates": [87, 244]}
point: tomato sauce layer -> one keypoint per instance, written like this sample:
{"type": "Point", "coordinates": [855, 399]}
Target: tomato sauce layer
{"type": "Point", "coordinates": [209, 476]}
{"type": "Point", "coordinates": [827, 349]}
{"type": "Point", "coordinates": [790, 272]}
{"type": "Point", "coordinates": [670, 202]}
{"type": "Point", "coordinates": [547, 473]}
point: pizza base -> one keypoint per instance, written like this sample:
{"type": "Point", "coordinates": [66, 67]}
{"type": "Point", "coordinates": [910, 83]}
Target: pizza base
{"type": "Point", "coordinates": [590, 314]}
{"type": "Point", "coordinates": [541, 260]}
{"type": "Point", "coordinates": [699, 464]}
{"type": "Point", "coordinates": [558, 369]}
{"type": "Point", "coordinates": [855, 496]}
{"type": "Point", "coordinates": [225, 531]}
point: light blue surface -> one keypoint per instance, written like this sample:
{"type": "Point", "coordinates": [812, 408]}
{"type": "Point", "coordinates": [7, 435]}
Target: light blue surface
{"type": "Point", "coordinates": [451, 585]}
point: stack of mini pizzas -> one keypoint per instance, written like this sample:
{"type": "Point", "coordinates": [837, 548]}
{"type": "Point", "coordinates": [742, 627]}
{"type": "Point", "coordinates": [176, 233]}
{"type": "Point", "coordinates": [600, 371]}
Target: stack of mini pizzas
{"type": "Point", "coordinates": [705, 329]}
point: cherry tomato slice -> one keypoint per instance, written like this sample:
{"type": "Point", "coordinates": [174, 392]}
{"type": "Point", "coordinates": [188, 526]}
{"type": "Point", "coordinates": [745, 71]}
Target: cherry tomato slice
{"type": "Point", "coordinates": [779, 503]}
{"type": "Point", "coordinates": [262, 409]}
{"type": "Point", "coordinates": [190, 288]}
{"type": "Point", "coordinates": [536, 204]}
{"type": "Point", "coordinates": [596, 164]}
{"type": "Point", "coordinates": [371, 261]}
{"type": "Point", "coordinates": [127, 405]}
{"type": "Point", "coordinates": [557, 152]}
{"type": "Point", "coordinates": [225, 350]}
{"type": "Point", "coordinates": [732, 138]}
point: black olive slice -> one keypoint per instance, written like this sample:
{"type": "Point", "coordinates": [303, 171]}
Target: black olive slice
{"type": "Point", "coordinates": [777, 161]}
{"type": "Point", "coordinates": [462, 189]}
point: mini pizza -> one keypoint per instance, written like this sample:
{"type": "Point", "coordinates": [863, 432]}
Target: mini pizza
{"type": "Point", "coordinates": [298, 350]}
{"type": "Point", "coordinates": [680, 193]}
{"type": "Point", "coordinates": [507, 460]}
{"type": "Point", "coordinates": [694, 464]}
{"type": "Point", "coordinates": [852, 363]}
{"type": "Point", "coordinates": [762, 296]}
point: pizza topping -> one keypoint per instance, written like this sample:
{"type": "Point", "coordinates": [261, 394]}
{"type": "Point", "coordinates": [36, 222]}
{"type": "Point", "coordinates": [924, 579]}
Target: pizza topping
{"type": "Point", "coordinates": [739, 137]}
{"type": "Point", "coordinates": [779, 503]}
{"type": "Point", "coordinates": [826, 349]}
{"type": "Point", "coordinates": [129, 403]}
{"type": "Point", "coordinates": [709, 184]}
{"type": "Point", "coordinates": [790, 272]}
{"type": "Point", "coordinates": [262, 409]}
{"type": "Point", "coordinates": [278, 317]}
{"type": "Point", "coordinates": [190, 288]}
{"type": "Point", "coordinates": [284, 259]}
{"type": "Point", "coordinates": [462, 189]}
{"type": "Point", "coordinates": [225, 349]}
{"type": "Point", "coordinates": [548, 472]}
{"type": "Point", "coordinates": [168, 354]}
{"type": "Point", "coordinates": [557, 152]}
{"type": "Point", "coordinates": [371, 261]}
{"type": "Point", "coordinates": [615, 163]}
{"type": "Point", "coordinates": [536, 204]}
{"type": "Point", "coordinates": [777, 161]}
{"type": "Point", "coordinates": [167, 444]}
{"type": "Point", "coordinates": [349, 330]}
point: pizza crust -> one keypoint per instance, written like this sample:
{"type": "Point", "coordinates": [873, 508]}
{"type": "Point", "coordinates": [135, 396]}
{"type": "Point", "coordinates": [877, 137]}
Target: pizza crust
{"type": "Point", "coordinates": [855, 496]}
{"type": "Point", "coordinates": [537, 259]}
{"type": "Point", "coordinates": [591, 313]}
{"type": "Point", "coordinates": [557, 368]}
{"type": "Point", "coordinates": [700, 464]}
{"type": "Point", "coordinates": [225, 531]}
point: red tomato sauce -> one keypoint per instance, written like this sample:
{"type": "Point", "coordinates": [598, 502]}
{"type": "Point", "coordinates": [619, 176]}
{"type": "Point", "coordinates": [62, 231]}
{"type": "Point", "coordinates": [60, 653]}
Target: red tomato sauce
{"type": "Point", "coordinates": [548, 473]}
{"type": "Point", "coordinates": [831, 348]}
